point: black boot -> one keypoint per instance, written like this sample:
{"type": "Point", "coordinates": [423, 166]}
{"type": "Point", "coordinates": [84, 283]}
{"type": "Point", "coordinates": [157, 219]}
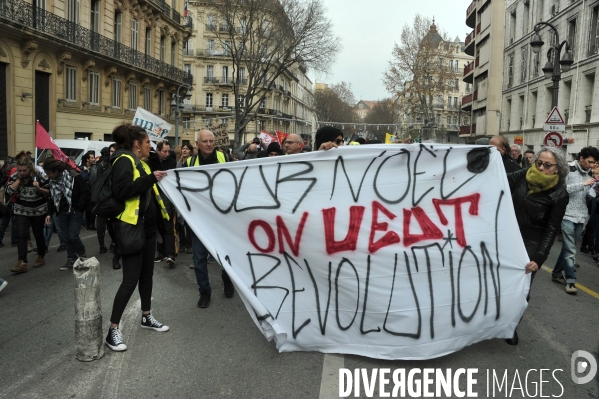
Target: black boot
{"type": "Point", "coordinates": [513, 340]}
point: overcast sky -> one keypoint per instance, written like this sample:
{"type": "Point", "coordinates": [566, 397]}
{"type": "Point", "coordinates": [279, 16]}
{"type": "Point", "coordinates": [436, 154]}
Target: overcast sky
{"type": "Point", "coordinates": [369, 29]}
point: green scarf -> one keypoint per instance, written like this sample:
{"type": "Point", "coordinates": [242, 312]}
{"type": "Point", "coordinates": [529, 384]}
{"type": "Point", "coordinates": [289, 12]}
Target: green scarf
{"type": "Point", "coordinates": [539, 181]}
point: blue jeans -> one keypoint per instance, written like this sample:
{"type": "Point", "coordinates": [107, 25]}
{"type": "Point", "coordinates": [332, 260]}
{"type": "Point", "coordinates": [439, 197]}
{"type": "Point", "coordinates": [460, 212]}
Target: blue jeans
{"type": "Point", "coordinates": [200, 264]}
{"type": "Point", "coordinates": [571, 233]}
{"type": "Point", "coordinates": [61, 236]}
{"type": "Point", "coordinates": [70, 224]}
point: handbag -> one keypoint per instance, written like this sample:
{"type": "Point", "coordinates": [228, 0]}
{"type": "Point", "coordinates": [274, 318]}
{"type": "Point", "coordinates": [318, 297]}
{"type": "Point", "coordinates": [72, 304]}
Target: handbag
{"type": "Point", "coordinates": [129, 238]}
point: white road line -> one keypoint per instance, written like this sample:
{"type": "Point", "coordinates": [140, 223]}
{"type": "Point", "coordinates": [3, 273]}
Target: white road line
{"type": "Point", "coordinates": [329, 382]}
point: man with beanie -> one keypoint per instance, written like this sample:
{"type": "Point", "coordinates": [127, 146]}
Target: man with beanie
{"type": "Point", "coordinates": [328, 137]}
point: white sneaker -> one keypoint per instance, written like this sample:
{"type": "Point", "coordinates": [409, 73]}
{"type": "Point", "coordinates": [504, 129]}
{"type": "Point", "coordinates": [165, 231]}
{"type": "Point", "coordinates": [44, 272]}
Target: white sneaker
{"type": "Point", "coordinates": [4, 284]}
{"type": "Point", "coordinates": [148, 321]}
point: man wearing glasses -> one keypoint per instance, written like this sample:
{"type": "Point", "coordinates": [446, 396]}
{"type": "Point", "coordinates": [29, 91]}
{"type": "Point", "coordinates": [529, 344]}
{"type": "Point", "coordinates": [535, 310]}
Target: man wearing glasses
{"type": "Point", "coordinates": [294, 144]}
{"type": "Point", "coordinates": [578, 183]}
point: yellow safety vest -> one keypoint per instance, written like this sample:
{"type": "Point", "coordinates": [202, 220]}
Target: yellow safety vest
{"type": "Point", "coordinates": [131, 211]}
{"type": "Point", "coordinates": [220, 157]}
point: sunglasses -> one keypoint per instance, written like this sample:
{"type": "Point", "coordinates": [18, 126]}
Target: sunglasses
{"type": "Point", "coordinates": [545, 165]}
{"type": "Point", "coordinates": [338, 141]}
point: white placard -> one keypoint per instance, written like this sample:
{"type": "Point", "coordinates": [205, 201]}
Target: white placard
{"type": "Point", "coordinates": [156, 127]}
{"type": "Point", "coordinates": [391, 252]}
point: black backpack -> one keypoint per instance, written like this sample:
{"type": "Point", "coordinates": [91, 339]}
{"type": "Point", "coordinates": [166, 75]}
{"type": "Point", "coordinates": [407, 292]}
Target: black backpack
{"type": "Point", "coordinates": [103, 202]}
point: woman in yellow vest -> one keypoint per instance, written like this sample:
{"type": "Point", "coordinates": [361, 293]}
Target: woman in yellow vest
{"type": "Point", "coordinates": [133, 183]}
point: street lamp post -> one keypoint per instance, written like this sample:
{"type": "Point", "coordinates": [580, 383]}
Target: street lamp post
{"type": "Point", "coordinates": [177, 105]}
{"type": "Point", "coordinates": [552, 70]}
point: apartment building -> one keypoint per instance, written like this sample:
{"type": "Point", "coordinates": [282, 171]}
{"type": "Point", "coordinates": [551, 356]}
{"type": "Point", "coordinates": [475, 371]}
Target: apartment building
{"type": "Point", "coordinates": [81, 68]}
{"type": "Point", "coordinates": [485, 43]}
{"type": "Point", "coordinates": [527, 93]}
{"type": "Point", "coordinates": [207, 55]}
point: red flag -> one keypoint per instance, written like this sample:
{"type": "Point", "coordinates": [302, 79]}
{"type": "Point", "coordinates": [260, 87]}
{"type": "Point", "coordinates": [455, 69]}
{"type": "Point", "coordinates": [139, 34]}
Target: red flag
{"type": "Point", "coordinates": [281, 135]}
{"type": "Point", "coordinates": [44, 141]}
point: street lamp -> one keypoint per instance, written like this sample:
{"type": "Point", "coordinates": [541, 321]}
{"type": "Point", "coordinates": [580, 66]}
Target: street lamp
{"type": "Point", "coordinates": [177, 105]}
{"type": "Point", "coordinates": [552, 69]}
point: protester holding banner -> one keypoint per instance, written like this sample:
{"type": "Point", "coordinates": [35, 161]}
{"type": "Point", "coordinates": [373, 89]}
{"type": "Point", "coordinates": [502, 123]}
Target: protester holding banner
{"type": "Point", "coordinates": [207, 155]}
{"type": "Point", "coordinates": [328, 137]}
{"type": "Point", "coordinates": [540, 199]}
{"type": "Point", "coordinates": [135, 228]}
{"type": "Point", "coordinates": [29, 188]}
{"type": "Point", "coordinates": [69, 197]}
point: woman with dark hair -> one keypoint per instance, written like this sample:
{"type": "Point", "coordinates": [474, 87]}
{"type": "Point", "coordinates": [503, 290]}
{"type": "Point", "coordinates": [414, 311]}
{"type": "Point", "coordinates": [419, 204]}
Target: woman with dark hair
{"type": "Point", "coordinates": [540, 199]}
{"type": "Point", "coordinates": [328, 137]}
{"type": "Point", "coordinates": [30, 188]}
{"type": "Point", "coordinates": [133, 184]}
{"type": "Point", "coordinates": [186, 152]}
{"type": "Point", "coordinates": [69, 197]}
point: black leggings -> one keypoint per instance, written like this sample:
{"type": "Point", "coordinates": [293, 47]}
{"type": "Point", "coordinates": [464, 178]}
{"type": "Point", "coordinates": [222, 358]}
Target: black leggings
{"type": "Point", "coordinates": [23, 224]}
{"type": "Point", "coordinates": [138, 270]}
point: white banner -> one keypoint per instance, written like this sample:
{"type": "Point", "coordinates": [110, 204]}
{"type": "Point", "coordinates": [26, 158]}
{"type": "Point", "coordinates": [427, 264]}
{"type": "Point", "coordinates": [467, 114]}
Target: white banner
{"type": "Point", "coordinates": [157, 128]}
{"type": "Point", "coordinates": [391, 252]}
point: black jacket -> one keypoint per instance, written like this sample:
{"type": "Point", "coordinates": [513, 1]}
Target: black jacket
{"type": "Point", "coordinates": [539, 215]}
{"type": "Point", "coordinates": [80, 198]}
{"type": "Point", "coordinates": [509, 164]}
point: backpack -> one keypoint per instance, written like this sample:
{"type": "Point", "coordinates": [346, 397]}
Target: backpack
{"type": "Point", "coordinates": [102, 201]}
{"type": "Point", "coordinates": [97, 170]}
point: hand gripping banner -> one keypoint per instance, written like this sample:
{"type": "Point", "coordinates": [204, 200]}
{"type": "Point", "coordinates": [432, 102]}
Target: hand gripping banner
{"type": "Point", "coordinates": [390, 252]}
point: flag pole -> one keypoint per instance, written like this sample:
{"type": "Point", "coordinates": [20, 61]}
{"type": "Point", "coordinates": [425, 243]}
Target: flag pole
{"type": "Point", "coordinates": [35, 160]}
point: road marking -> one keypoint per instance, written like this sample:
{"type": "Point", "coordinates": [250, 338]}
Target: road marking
{"type": "Point", "coordinates": [578, 285]}
{"type": "Point", "coordinates": [329, 382]}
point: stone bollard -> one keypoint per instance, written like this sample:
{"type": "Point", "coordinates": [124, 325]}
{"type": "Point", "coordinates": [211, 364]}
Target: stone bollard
{"type": "Point", "coordinates": [89, 342]}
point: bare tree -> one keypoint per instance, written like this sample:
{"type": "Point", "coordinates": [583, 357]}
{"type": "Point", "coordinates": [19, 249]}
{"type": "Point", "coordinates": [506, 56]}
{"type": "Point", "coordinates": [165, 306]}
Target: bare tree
{"type": "Point", "coordinates": [270, 38]}
{"type": "Point", "coordinates": [332, 104]}
{"type": "Point", "coordinates": [418, 75]}
{"type": "Point", "coordinates": [384, 113]}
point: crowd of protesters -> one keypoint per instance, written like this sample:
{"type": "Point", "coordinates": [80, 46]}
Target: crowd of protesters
{"type": "Point", "coordinates": [548, 195]}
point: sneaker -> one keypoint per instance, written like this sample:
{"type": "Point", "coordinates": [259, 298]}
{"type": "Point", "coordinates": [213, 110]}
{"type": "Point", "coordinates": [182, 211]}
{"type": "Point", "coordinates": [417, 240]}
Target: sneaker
{"type": "Point", "coordinates": [571, 288]}
{"type": "Point", "coordinates": [229, 288]}
{"type": "Point", "coordinates": [103, 249]}
{"type": "Point", "coordinates": [560, 280]}
{"type": "Point", "coordinates": [114, 340]}
{"type": "Point", "coordinates": [61, 248]}
{"type": "Point", "coordinates": [69, 266]}
{"type": "Point", "coordinates": [170, 261]}
{"type": "Point", "coordinates": [159, 258]}
{"type": "Point", "coordinates": [148, 321]}
{"type": "Point", "coordinates": [204, 301]}
{"type": "Point", "coordinates": [3, 285]}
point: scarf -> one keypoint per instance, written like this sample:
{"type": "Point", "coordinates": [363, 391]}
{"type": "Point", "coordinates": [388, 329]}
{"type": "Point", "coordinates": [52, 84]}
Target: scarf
{"type": "Point", "coordinates": [539, 181]}
{"type": "Point", "coordinates": [60, 187]}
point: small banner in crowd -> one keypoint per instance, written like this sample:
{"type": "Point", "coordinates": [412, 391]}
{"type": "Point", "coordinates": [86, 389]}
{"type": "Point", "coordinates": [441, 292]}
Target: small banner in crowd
{"type": "Point", "coordinates": [391, 138]}
{"type": "Point", "coordinates": [44, 141]}
{"type": "Point", "coordinates": [221, 135]}
{"type": "Point", "coordinates": [402, 252]}
{"type": "Point", "coordinates": [267, 138]}
{"type": "Point", "coordinates": [281, 135]}
{"type": "Point", "coordinates": [156, 127]}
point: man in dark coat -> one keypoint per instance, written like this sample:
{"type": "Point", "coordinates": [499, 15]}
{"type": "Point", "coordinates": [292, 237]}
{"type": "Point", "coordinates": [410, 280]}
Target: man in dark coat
{"type": "Point", "coordinates": [503, 147]}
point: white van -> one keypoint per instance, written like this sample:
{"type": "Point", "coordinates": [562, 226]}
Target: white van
{"type": "Point", "coordinates": [77, 147]}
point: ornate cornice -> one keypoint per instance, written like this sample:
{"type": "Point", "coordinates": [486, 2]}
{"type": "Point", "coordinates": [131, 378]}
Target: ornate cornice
{"type": "Point", "coordinates": [86, 65]}
{"type": "Point", "coordinates": [27, 47]}
{"type": "Point", "coordinates": [62, 57]}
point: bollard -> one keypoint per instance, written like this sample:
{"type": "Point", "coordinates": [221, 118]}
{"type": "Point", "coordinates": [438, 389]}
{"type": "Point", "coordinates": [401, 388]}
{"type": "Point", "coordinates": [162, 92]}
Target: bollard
{"type": "Point", "coordinates": [89, 342]}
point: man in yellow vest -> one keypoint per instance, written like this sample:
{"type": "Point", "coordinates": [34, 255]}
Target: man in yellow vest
{"type": "Point", "coordinates": [206, 155]}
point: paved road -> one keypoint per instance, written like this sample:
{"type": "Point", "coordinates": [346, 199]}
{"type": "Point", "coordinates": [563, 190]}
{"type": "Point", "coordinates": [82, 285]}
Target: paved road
{"type": "Point", "coordinates": [219, 352]}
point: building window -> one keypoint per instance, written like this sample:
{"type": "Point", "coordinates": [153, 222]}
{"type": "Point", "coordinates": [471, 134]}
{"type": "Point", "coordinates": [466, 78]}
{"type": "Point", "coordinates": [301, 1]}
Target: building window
{"type": "Point", "coordinates": [148, 48]}
{"type": "Point", "coordinates": [148, 99]}
{"type": "Point", "coordinates": [241, 74]}
{"type": "Point", "coordinates": [132, 96]}
{"type": "Point", "coordinates": [594, 33]}
{"type": "Point", "coordinates": [186, 123]}
{"type": "Point", "coordinates": [456, 85]}
{"type": "Point", "coordinates": [71, 83]}
{"type": "Point", "coordinates": [95, 16]}
{"type": "Point", "coordinates": [451, 64]}
{"type": "Point", "coordinates": [73, 11]}
{"type": "Point", "coordinates": [173, 53]}
{"type": "Point", "coordinates": [455, 103]}
{"type": "Point", "coordinates": [208, 101]}
{"type": "Point", "coordinates": [94, 88]}
{"type": "Point", "coordinates": [448, 102]}
{"type": "Point", "coordinates": [524, 64]}
{"type": "Point", "coordinates": [457, 65]}
{"type": "Point", "coordinates": [209, 73]}
{"type": "Point", "coordinates": [116, 93]}
{"type": "Point", "coordinates": [134, 34]}
{"type": "Point", "coordinates": [572, 36]}
{"type": "Point", "coordinates": [240, 101]}
{"type": "Point", "coordinates": [162, 48]}
{"type": "Point", "coordinates": [161, 102]}
{"type": "Point", "coordinates": [187, 68]}
{"type": "Point", "coordinates": [225, 74]}
{"type": "Point", "coordinates": [225, 100]}
{"type": "Point", "coordinates": [264, 103]}
{"type": "Point", "coordinates": [510, 71]}
{"type": "Point", "coordinates": [210, 47]}
{"type": "Point", "coordinates": [535, 64]}
{"type": "Point", "coordinates": [118, 26]}
{"type": "Point", "coordinates": [188, 47]}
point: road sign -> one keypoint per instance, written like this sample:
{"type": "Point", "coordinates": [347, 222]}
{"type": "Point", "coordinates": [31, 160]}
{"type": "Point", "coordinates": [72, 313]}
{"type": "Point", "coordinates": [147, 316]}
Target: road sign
{"type": "Point", "coordinates": [555, 122]}
{"type": "Point", "coordinates": [553, 139]}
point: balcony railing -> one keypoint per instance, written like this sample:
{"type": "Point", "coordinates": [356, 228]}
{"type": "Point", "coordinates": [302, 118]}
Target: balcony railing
{"type": "Point", "coordinates": [468, 68]}
{"type": "Point", "coordinates": [176, 17]}
{"type": "Point", "coordinates": [226, 80]}
{"type": "Point", "coordinates": [211, 27]}
{"type": "Point", "coordinates": [210, 79]}
{"type": "Point", "coordinates": [468, 129]}
{"type": "Point", "coordinates": [467, 99]}
{"type": "Point", "coordinates": [476, 62]}
{"type": "Point", "coordinates": [188, 23]}
{"type": "Point", "coordinates": [188, 51]}
{"type": "Point", "coordinates": [471, 7]}
{"type": "Point", "coordinates": [27, 16]}
{"type": "Point", "coordinates": [212, 52]}
{"type": "Point", "coordinates": [469, 38]}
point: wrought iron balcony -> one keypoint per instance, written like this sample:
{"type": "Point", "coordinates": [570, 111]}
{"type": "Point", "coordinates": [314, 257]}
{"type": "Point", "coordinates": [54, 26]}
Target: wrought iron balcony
{"type": "Point", "coordinates": [188, 23]}
{"type": "Point", "coordinates": [210, 79]}
{"type": "Point", "coordinates": [176, 17]}
{"type": "Point", "coordinates": [54, 27]}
